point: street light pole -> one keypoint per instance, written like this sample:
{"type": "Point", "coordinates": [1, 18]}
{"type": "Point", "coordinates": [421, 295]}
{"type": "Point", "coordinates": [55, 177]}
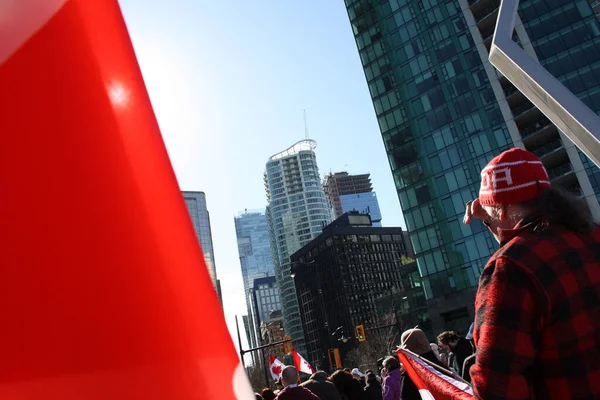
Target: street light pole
{"type": "Point", "coordinates": [237, 326]}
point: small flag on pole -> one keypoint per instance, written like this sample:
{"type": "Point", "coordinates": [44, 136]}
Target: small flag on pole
{"type": "Point", "coordinates": [104, 293]}
{"type": "Point", "coordinates": [301, 364]}
{"type": "Point", "coordinates": [275, 366]}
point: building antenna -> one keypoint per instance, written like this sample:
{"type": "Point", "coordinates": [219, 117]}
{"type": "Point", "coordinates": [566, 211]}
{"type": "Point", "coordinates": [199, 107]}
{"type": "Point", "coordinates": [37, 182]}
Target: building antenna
{"type": "Point", "coordinates": [306, 136]}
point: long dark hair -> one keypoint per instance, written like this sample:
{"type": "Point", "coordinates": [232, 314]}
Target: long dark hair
{"type": "Point", "coordinates": [557, 207]}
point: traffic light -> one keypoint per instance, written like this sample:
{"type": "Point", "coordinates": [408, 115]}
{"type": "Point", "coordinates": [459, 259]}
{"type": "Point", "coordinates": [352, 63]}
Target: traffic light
{"type": "Point", "coordinates": [287, 346]}
{"type": "Point", "coordinates": [335, 361]}
{"type": "Point", "coordinates": [360, 333]}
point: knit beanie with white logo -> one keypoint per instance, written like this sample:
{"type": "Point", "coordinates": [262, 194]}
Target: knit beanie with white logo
{"type": "Point", "coordinates": [512, 177]}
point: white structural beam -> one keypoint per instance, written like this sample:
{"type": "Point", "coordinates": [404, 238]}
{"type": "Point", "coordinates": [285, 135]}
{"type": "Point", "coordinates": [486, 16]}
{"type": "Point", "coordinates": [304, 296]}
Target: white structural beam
{"type": "Point", "coordinates": [548, 94]}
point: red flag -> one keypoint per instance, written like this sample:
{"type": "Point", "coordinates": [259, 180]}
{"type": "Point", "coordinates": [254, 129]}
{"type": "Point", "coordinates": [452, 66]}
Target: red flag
{"type": "Point", "coordinates": [301, 364]}
{"type": "Point", "coordinates": [104, 293]}
{"type": "Point", "coordinates": [275, 366]}
{"type": "Point", "coordinates": [433, 384]}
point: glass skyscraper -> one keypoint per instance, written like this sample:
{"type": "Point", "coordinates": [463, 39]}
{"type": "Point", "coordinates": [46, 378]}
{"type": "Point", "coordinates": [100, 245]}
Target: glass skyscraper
{"type": "Point", "coordinates": [196, 205]}
{"type": "Point", "coordinates": [256, 260]}
{"type": "Point", "coordinates": [365, 203]}
{"type": "Point", "coordinates": [265, 298]}
{"type": "Point", "coordinates": [296, 213]}
{"type": "Point", "coordinates": [444, 112]}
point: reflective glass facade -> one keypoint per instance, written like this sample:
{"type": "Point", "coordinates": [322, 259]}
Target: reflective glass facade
{"type": "Point", "coordinates": [196, 205]}
{"type": "Point", "coordinates": [365, 203]}
{"type": "Point", "coordinates": [256, 260]}
{"type": "Point", "coordinates": [296, 213]}
{"type": "Point", "coordinates": [341, 183]}
{"type": "Point", "coordinates": [440, 123]}
{"type": "Point", "coordinates": [266, 295]}
{"type": "Point", "coordinates": [444, 112]}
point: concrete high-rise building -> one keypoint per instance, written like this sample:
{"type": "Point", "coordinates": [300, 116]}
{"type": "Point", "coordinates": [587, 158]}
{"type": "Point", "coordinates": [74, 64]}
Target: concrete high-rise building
{"type": "Point", "coordinates": [296, 213]}
{"type": "Point", "coordinates": [444, 112]}
{"type": "Point", "coordinates": [196, 205]}
{"type": "Point", "coordinates": [341, 183]}
{"type": "Point", "coordinates": [256, 260]}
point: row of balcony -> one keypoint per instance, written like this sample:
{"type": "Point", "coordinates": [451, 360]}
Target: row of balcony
{"type": "Point", "coordinates": [548, 148]}
{"type": "Point", "coordinates": [522, 109]}
{"type": "Point", "coordinates": [560, 171]}
{"type": "Point", "coordinates": [509, 90]}
{"type": "Point", "coordinates": [535, 128]}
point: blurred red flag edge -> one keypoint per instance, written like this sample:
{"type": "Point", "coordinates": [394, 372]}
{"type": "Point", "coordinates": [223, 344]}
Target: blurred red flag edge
{"type": "Point", "coordinates": [431, 382]}
{"type": "Point", "coordinates": [103, 293]}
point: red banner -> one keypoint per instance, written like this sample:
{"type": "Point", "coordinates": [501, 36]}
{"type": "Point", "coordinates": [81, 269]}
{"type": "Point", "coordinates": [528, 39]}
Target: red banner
{"type": "Point", "coordinates": [432, 383]}
{"type": "Point", "coordinates": [104, 293]}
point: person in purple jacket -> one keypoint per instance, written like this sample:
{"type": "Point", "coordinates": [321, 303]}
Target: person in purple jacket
{"type": "Point", "coordinates": [391, 383]}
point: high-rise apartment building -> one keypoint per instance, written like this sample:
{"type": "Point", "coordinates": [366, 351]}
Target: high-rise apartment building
{"type": "Point", "coordinates": [296, 213]}
{"type": "Point", "coordinates": [256, 260]}
{"type": "Point", "coordinates": [196, 205]}
{"type": "Point", "coordinates": [347, 192]}
{"type": "Point", "coordinates": [444, 112]}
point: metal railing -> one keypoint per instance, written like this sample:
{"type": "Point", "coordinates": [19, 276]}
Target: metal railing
{"type": "Point", "coordinates": [522, 109]}
{"type": "Point", "coordinates": [533, 129]}
{"type": "Point", "coordinates": [548, 148]}
{"type": "Point", "coordinates": [486, 13]}
{"type": "Point", "coordinates": [560, 171]}
{"type": "Point", "coordinates": [509, 91]}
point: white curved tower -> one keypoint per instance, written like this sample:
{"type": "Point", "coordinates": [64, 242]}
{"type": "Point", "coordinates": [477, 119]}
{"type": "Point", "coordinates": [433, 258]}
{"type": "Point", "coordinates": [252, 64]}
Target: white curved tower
{"type": "Point", "coordinates": [296, 213]}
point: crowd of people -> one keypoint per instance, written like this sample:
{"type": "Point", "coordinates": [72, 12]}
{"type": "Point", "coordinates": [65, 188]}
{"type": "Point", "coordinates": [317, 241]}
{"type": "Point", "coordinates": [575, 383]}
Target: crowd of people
{"type": "Point", "coordinates": [391, 382]}
{"type": "Point", "coordinates": [537, 310]}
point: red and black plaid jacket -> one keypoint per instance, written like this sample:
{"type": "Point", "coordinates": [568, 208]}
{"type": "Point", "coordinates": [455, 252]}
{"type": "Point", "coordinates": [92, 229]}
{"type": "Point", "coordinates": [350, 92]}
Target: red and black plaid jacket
{"type": "Point", "coordinates": [537, 324]}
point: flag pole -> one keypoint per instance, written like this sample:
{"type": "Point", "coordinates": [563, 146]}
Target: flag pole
{"type": "Point", "coordinates": [264, 362]}
{"type": "Point", "coordinates": [237, 326]}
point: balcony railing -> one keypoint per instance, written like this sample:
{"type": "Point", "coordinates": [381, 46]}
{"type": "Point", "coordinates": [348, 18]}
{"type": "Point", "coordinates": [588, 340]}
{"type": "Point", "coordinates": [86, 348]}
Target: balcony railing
{"type": "Point", "coordinates": [475, 2]}
{"type": "Point", "coordinates": [548, 148]}
{"type": "Point", "coordinates": [509, 91]}
{"type": "Point", "coordinates": [560, 171]}
{"type": "Point", "coordinates": [575, 189]}
{"type": "Point", "coordinates": [533, 129]}
{"type": "Point", "coordinates": [522, 109]}
{"type": "Point", "coordinates": [486, 13]}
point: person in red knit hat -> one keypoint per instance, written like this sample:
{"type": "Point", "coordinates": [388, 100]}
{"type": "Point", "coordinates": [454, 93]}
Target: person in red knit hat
{"type": "Point", "coordinates": [537, 322]}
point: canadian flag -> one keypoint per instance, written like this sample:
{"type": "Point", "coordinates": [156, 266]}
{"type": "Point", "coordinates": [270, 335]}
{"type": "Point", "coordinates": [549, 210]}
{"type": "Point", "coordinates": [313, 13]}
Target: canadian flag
{"type": "Point", "coordinates": [301, 364]}
{"type": "Point", "coordinates": [275, 366]}
{"type": "Point", "coordinates": [432, 383]}
{"type": "Point", "coordinates": [104, 291]}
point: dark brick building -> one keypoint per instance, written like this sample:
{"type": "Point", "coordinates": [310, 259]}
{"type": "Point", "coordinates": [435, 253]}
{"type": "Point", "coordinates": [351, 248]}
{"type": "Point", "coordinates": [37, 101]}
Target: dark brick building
{"type": "Point", "coordinates": [342, 278]}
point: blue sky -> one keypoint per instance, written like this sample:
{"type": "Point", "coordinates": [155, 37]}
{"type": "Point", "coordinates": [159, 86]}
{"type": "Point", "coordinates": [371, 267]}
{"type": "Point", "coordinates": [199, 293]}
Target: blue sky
{"type": "Point", "coordinates": [228, 82]}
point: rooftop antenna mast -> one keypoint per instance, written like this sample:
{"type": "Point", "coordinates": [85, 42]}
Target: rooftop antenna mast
{"type": "Point", "coordinates": [306, 136]}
